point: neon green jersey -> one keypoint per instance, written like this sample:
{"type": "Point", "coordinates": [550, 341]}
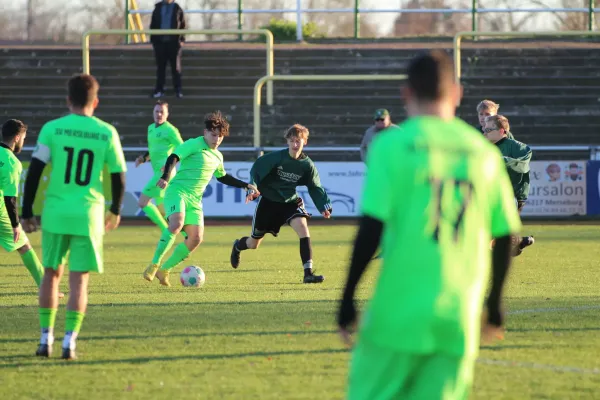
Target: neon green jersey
{"type": "Point", "coordinates": [10, 176]}
{"type": "Point", "coordinates": [198, 165]}
{"type": "Point", "coordinates": [162, 140]}
{"type": "Point", "coordinates": [78, 148]}
{"type": "Point", "coordinates": [442, 192]}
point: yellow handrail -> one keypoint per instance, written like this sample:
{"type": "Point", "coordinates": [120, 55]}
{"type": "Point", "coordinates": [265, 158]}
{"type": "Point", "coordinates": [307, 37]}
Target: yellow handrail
{"type": "Point", "coordinates": [270, 78]}
{"type": "Point", "coordinates": [85, 45]}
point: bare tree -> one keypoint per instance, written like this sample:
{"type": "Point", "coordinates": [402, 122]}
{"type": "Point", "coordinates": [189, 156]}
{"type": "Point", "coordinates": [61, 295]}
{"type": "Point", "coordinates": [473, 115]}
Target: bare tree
{"type": "Point", "coordinates": [428, 23]}
{"type": "Point", "coordinates": [505, 22]}
{"type": "Point", "coordinates": [569, 21]}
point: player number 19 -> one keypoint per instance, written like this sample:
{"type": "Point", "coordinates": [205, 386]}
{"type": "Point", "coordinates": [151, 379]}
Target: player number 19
{"type": "Point", "coordinates": [83, 175]}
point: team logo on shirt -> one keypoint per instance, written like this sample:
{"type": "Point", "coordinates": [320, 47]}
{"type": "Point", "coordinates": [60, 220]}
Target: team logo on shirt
{"type": "Point", "coordinates": [287, 176]}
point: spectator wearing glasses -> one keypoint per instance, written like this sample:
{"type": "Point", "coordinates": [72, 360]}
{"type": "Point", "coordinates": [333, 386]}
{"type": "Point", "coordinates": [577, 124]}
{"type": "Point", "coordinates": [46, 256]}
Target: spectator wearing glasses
{"type": "Point", "coordinates": [382, 121]}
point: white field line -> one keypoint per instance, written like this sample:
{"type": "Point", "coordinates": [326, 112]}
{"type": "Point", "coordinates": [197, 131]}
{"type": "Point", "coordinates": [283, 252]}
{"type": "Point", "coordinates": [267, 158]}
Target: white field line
{"type": "Point", "coordinates": [532, 365]}
{"type": "Point", "coordinates": [555, 309]}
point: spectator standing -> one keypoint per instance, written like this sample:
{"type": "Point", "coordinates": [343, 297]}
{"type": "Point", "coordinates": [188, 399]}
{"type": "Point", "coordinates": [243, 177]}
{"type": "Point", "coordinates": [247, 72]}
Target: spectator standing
{"type": "Point", "coordinates": [382, 121]}
{"type": "Point", "coordinates": [167, 14]}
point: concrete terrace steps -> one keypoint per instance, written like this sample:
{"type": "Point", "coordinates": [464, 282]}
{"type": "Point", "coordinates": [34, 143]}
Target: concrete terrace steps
{"type": "Point", "coordinates": [549, 95]}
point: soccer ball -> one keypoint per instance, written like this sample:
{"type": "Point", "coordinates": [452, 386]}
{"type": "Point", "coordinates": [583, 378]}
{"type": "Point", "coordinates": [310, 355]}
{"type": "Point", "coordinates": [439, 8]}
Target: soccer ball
{"type": "Point", "coordinates": [192, 276]}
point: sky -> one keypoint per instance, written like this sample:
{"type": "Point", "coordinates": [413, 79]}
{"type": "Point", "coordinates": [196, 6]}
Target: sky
{"type": "Point", "coordinates": [384, 20]}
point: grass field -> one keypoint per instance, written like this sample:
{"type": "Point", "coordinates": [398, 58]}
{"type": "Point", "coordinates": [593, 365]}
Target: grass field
{"type": "Point", "coordinates": [259, 333]}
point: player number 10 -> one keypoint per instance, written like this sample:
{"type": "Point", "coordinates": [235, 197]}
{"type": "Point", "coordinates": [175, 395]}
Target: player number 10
{"type": "Point", "coordinates": [82, 178]}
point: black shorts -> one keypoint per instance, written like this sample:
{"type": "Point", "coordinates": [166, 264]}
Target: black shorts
{"type": "Point", "coordinates": [270, 216]}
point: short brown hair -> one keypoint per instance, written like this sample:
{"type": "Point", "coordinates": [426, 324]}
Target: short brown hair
{"type": "Point", "coordinates": [488, 105]}
{"type": "Point", "coordinates": [162, 103]}
{"type": "Point", "coordinates": [499, 121]}
{"type": "Point", "coordinates": [12, 128]}
{"type": "Point", "coordinates": [215, 120]}
{"type": "Point", "coordinates": [83, 90]}
{"type": "Point", "coordinates": [431, 75]}
{"type": "Point", "coordinates": [297, 130]}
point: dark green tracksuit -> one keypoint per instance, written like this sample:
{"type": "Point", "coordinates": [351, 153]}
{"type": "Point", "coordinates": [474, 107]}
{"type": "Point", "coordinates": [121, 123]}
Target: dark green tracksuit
{"type": "Point", "coordinates": [517, 156]}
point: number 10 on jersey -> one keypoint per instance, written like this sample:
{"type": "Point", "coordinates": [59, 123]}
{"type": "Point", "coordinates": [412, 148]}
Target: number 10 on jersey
{"type": "Point", "coordinates": [84, 162]}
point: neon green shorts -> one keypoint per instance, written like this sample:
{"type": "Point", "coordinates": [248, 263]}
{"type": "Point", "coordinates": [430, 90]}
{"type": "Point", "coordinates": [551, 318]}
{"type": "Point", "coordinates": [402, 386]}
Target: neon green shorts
{"type": "Point", "coordinates": [190, 206]}
{"type": "Point", "coordinates": [84, 252]}
{"type": "Point", "coordinates": [153, 191]}
{"type": "Point", "coordinates": [378, 373]}
{"type": "Point", "coordinates": [7, 239]}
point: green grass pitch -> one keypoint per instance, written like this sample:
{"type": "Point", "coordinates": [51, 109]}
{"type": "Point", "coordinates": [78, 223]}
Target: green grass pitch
{"type": "Point", "coordinates": [259, 333]}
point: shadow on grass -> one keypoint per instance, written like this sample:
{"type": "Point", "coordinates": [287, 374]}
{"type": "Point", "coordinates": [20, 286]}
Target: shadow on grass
{"type": "Point", "coordinates": [551, 330]}
{"type": "Point", "coordinates": [189, 303]}
{"type": "Point", "coordinates": [176, 335]}
{"type": "Point", "coordinates": [141, 360]}
{"type": "Point", "coordinates": [500, 347]}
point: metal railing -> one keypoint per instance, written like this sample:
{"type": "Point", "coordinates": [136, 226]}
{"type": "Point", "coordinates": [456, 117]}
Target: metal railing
{"type": "Point", "coordinates": [85, 45]}
{"type": "Point", "coordinates": [259, 84]}
{"type": "Point", "coordinates": [474, 10]}
{"type": "Point", "coordinates": [509, 35]}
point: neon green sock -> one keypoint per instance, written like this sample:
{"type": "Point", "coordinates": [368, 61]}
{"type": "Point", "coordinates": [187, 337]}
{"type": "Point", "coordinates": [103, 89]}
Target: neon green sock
{"type": "Point", "coordinates": [164, 244]}
{"type": "Point", "coordinates": [74, 321]}
{"type": "Point", "coordinates": [34, 266]}
{"type": "Point", "coordinates": [72, 327]}
{"type": "Point", "coordinates": [180, 253]}
{"type": "Point", "coordinates": [47, 317]}
{"type": "Point", "coordinates": [155, 216]}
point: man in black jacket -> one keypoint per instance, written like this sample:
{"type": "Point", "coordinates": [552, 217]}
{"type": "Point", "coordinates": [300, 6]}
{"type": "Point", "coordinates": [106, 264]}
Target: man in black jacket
{"type": "Point", "coordinates": [167, 48]}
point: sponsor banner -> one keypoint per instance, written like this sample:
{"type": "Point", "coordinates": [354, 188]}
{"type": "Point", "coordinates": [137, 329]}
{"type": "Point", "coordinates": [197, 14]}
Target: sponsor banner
{"type": "Point", "coordinates": [593, 187]}
{"type": "Point", "coordinates": [343, 182]}
{"type": "Point", "coordinates": [558, 188]}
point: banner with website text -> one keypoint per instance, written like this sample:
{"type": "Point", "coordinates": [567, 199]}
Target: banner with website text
{"type": "Point", "coordinates": [343, 182]}
{"type": "Point", "coordinates": [558, 188]}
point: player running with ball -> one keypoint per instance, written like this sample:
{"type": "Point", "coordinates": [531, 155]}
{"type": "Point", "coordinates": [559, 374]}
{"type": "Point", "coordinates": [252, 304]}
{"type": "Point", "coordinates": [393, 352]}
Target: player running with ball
{"type": "Point", "coordinates": [277, 175]}
{"type": "Point", "coordinates": [200, 160]}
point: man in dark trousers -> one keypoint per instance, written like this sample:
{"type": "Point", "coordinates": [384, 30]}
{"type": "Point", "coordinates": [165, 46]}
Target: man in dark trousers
{"type": "Point", "coordinates": [167, 48]}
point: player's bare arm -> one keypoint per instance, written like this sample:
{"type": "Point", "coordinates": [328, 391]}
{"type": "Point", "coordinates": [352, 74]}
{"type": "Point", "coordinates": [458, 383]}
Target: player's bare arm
{"type": "Point", "coordinates": [142, 158]}
{"type": "Point", "coordinates": [366, 243]}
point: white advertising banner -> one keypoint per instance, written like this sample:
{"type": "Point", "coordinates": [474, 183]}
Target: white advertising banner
{"type": "Point", "coordinates": [343, 182]}
{"type": "Point", "coordinates": [558, 188]}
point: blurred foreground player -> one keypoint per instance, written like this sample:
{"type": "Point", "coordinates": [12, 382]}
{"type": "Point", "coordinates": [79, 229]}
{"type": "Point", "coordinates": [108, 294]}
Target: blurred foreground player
{"type": "Point", "coordinates": [435, 195]}
{"type": "Point", "coordinates": [78, 146]}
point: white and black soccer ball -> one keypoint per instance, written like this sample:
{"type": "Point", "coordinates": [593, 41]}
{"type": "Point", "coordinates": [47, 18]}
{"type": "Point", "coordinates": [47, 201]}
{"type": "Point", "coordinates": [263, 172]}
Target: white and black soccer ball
{"type": "Point", "coordinates": [192, 276]}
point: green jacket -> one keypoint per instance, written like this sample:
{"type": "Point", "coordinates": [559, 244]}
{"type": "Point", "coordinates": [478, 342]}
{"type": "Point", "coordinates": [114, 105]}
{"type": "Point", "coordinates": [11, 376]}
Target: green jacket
{"type": "Point", "coordinates": [517, 156]}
